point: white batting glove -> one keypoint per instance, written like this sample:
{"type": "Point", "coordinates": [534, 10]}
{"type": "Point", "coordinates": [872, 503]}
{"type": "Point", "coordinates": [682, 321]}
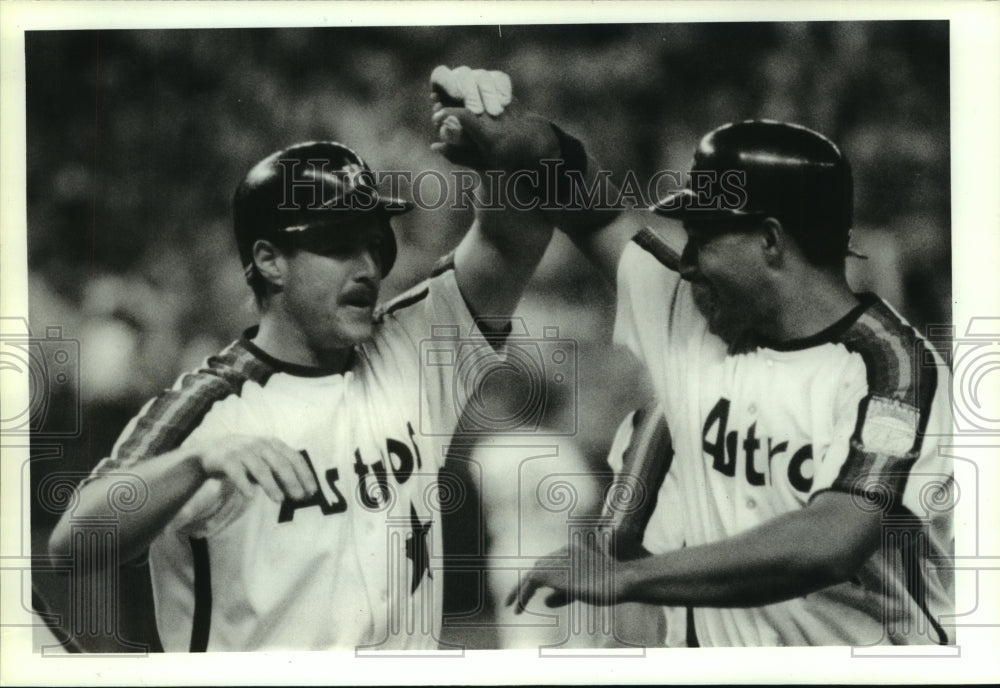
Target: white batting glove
{"type": "Point", "coordinates": [478, 90]}
{"type": "Point", "coordinates": [480, 126]}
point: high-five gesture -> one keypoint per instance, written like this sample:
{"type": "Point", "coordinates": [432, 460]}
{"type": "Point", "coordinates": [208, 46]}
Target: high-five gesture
{"type": "Point", "coordinates": [477, 89]}
{"type": "Point", "coordinates": [479, 125]}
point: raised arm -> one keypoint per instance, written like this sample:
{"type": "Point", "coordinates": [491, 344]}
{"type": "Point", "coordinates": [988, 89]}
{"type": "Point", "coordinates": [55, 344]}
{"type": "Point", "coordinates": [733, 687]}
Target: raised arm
{"type": "Point", "coordinates": [604, 246]}
{"type": "Point", "coordinates": [481, 126]}
{"type": "Point", "coordinates": [503, 247]}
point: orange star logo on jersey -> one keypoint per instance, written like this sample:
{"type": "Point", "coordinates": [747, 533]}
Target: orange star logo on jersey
{"type": "Point", "coordinates": [416, 549]}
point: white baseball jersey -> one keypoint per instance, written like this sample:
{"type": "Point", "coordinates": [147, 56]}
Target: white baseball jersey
{"type": "Point", "coordinates": [349, 568]}
{"type": "Point", "coordinates": [857, 408]}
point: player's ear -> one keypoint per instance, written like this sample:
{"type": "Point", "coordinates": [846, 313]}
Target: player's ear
{"type": "Point", "coordinates": [774, 241]}
{"type": "Point", "coordinates": [270, 261]}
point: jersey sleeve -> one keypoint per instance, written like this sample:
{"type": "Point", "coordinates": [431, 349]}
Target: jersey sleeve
{"type": "Point", "coordinates": [641, 457]}
{"type": "Point", "coordinates": [192, 412]}
{"type": "Point", "coordinates": [853, 390]}
{"type": "Point", "coordinates": [645, 503]}
{"type": "Point", "coordinates": [892, 412]}
{"type": "Point", "coordinates": [650, 297]}
{"type": "Point", "coordinates": [218, 501]}
{"type": "Point", "coordinates": [448, 349]}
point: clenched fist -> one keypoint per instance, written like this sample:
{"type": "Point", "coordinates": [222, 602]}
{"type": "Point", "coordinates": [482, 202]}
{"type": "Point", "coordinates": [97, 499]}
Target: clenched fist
{"type": "Point", "coordinates": [479, 125]}
{"type": "Point", "coordinates": [270, 463]}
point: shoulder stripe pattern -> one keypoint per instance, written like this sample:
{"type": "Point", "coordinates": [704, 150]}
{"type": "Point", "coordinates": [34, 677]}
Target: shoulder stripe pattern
{"type": "Point", "coordinates": [163, 425]}
{"type": "Point", "coordinates": [897, 384]}
{"type": "Point", "coordinates": [648, 240]}
{"type": "Point", "coordinates": [900, 394]}
{"type": "Point", "coordinates": [404, 300]}
{"type": "Point", "coordinates": [417, 293]}
{"type": "Point", "coordinates": [166, 421]}
{"type": "Point", "coordinates": [444, 264]}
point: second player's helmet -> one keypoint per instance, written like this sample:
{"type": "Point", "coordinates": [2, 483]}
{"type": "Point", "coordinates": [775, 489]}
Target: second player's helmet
{"type": "Point", "coordinates": [305, 189]}
{"type": "Point", "coordinates": [764, 168]}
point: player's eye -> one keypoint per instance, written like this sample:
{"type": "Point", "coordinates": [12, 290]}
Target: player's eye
{"type": "Point", "coordinates": [348, 248]}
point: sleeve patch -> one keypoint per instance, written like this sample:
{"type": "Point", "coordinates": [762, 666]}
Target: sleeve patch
{"type": "Point", "coordinates": [890, 427]}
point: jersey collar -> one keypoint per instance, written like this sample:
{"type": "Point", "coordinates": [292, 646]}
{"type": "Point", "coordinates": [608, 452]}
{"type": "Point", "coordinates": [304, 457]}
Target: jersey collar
{"type": "Point", "coordinates": [827, 335]}
{"type": "Point", "coordinates": [280, 366]}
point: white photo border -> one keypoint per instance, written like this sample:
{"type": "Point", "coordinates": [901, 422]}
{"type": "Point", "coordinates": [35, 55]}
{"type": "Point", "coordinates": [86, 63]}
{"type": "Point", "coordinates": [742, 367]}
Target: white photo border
{"type": "Point", "coordinates": [975, 179]}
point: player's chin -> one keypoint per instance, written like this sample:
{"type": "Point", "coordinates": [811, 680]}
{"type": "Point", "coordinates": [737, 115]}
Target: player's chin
{"type": "Point", "coordinates": [730, 326]}
{"type": "Point", "coordinates": [705, 302]}
{"type": "Point", "coordinates": [356, 323]}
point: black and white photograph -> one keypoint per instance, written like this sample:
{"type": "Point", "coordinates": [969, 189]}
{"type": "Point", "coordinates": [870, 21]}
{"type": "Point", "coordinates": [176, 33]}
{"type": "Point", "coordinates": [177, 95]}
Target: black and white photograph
{"type": "Point", "coordinates": [459, 343]}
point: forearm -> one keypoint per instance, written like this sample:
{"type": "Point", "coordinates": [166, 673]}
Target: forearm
{"type": "Point", "coordinates": [604, 245]}
{"type": "Point", "coordinates": [165, 483]}
{"type": "Point", "coordinates": [589, 208]}
{"type": "Point", "coordinates": [716, 576]}
{"type": "Point", "coordinates": [790, 556]}
{"type": "Point", "coordinates": [499, 254]}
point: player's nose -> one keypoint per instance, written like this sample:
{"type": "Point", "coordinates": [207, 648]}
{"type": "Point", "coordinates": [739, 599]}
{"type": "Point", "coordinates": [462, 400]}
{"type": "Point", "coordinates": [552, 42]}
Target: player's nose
{"type": "Point", "coordinates": [368, 260]}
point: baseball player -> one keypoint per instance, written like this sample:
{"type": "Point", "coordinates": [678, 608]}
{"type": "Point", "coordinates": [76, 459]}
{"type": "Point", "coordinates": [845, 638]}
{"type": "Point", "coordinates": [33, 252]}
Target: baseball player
{"type": "Point", "coordinates": [805, 418]}
{"type": "Point", "coordinates": [290, 488]}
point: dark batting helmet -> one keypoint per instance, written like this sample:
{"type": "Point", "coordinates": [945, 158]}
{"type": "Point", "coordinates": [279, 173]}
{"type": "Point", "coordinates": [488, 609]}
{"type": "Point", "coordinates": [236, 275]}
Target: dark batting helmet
{"type": "Point", "coordinates": [764, 168]}
{"type": "Point", "coordinates": [306, 191]}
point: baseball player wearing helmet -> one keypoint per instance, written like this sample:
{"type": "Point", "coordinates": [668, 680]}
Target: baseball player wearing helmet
{"type": "Point", "coordinates": [292, 497]}
{"type": "Point", "coordinates": [805, 418]}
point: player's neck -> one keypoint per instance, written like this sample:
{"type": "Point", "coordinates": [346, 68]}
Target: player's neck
{"type": "Point", "coordinates": [810, 306]}
{"type": "Point", "coordinates": [287, 343]}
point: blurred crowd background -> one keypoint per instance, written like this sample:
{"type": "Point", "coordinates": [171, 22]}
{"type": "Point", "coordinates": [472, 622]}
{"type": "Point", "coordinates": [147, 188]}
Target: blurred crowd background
{"type": "Point", "coordinates": [137, 139]}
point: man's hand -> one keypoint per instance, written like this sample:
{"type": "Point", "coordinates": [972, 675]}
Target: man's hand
{"type": "Point", "coordinates": [480, 126]}
{"type": "Point", "coordinates": [591, 578]}
{"type": "Point", "coordinates": [277, 468]}
{"type": "Point", "coordinates": [476, 89]}
{"type": "Point", "coordinates": [171, 479]}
